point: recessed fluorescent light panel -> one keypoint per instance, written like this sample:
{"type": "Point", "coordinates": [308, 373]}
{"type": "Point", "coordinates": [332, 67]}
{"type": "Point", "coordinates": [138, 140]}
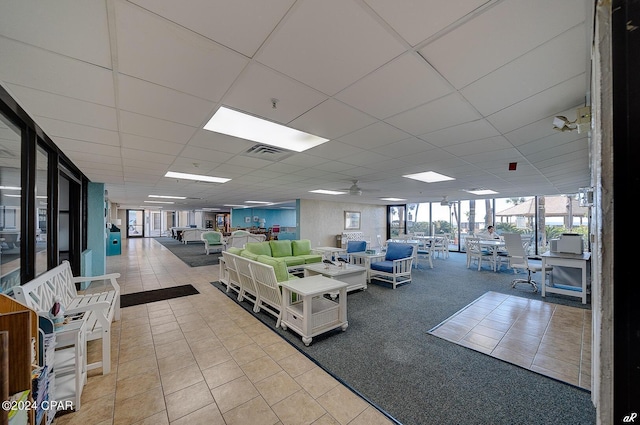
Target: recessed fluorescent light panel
{"type": "Point", "coordinates": [482, 191]}
{"type": "Point", "coordinates": [235, 206]}
{"type": "Point", "coordinates": [197, 177]}
{"type": "Point", "coordinates": [167, 197]}
{"type": "Point", "coordinates": [393, 199]}
{"type": "Point", "coordinates": [327, 192]}
{"type": "Point", "coordinates": [10, 188]}
{"type": "Point", "coordinates": [238, 124]}
{"type": "Point", "coordinates": [429, 177]}
{"type": "Point", "coordinates": [257, 202]}
{"type": "Point", "coordinates": [159, 202]}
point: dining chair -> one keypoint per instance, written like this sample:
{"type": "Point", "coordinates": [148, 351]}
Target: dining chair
{"type": "Point", "coordinates": [475, 252]}
{"type": "Point", "coordinates": [518, 260]}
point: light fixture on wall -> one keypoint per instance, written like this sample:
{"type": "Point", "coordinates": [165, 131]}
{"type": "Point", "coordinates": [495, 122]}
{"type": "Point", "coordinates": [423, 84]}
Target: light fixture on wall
{"type": "Point", "coordinates": [582, 123]}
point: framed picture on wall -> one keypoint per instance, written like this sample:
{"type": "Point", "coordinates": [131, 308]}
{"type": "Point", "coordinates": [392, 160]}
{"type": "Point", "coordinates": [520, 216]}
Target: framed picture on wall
{"type": "Point", "coordinates": [256, 218]}
{"type": "Point", "coordinates": [352, 220]}
{"type": "Point", "coordinates": [247, 219]}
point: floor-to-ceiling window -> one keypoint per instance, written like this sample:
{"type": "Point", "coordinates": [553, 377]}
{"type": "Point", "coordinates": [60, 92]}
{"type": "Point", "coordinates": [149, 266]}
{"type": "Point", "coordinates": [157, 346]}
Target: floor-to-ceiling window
{"type": "Point", "coordinates": [397, 220]}
{"type": "Point", "coordinates": [42, 203]}
{"type": "Point", "coordinates": [10, 203]}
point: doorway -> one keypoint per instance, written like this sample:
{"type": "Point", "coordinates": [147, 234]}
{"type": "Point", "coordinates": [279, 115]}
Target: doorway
{"type": "Point", "coordinates": [135, 223]}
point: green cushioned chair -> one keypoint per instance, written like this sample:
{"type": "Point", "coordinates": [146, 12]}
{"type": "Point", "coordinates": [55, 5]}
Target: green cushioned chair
{"type": "Point", "coordinates": [212, 241]}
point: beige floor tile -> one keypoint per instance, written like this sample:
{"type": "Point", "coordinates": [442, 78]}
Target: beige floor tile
{"type": "Point", "coordinates": [260, 368]}
{"type": "Point", "coordinates": [247, 353]}
{"type": "Point", "coordinates": [316, 382]}
{"type": "Point", "coordinates": [159, 418]}
{"type": "Point", "coordinates": [136, 367]}
{"type": "Point", "coordinates": [371, 416]}
{"type": "Point", "coordinates": [255, 411]}
{"type": "Point", "coordinates": [279, 350]}
{"type": "Point", "coordinates": [222, 373]}
{"type": "Point", "coordinates": [188, 400]}
{"type": "Point", "coordinates": [207, 359]}
{"type": "Point", "coordinates": [296, 364]}
{"type": "Point", "coordinates": [134, 385]}
{"type": "Point", "coordinates": [277, 387]}
{"type": "Point", "coordinates": [342, 404]}
{"type": "Point", "coordinates": [177, 361]}
{"type": "Point", "coordinates": [298, 408]}
{"type": "Point", "coordinates": [234, 393]}
{"type": "Point", "coordinates": [135, 409]}
{"type": "Point", "coordinates": [208, 415]}
{"type": "Point", "coordinates": [181, 378]}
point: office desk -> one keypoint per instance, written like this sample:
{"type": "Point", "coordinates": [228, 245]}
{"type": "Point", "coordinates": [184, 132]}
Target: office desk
{"type": "Point", "coordinates": [578, 261]}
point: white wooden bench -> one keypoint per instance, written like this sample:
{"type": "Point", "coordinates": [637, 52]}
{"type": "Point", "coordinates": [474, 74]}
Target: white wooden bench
{"type": "Point", "coordinates": [97, 309]}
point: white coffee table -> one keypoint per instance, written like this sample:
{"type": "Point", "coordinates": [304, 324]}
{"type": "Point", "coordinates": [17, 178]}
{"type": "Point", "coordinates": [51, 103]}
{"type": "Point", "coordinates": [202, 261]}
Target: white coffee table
{"type": "Point", "coordinates": [355, 276]}
{"type": "Point", "coordinates": [313, 314]}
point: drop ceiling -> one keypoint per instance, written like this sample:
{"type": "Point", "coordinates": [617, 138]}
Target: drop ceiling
{"type": "Point", "coordinates": [460, 88]}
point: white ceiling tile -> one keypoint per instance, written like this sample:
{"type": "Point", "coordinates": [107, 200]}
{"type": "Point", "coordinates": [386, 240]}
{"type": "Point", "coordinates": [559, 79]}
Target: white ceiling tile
{"type": "Point", "coordinates": [156, 50]}
{"type": "Point", "coordinates": [202, 154]}
{"type": "Point", "coordinates": [141, 155]}
{"type": "Point", "coordinates": [153, 145]}
{"type": "Point", "coordinates": [466, 132]}
{"type": "Point", "coordinates": [92, 149]}
{"type": "Point", "coordinates": [491, 144]}
{"type": "Point", "coordinates": [499, 37]}
{"type": "Point", "coordinates": [229, 23]}
{"type": "Point", "coordinates": [550, 64]}
{"type": "Point", "coordinates": [404, 83]}
{"type": "Point", "coordinates": [69, 130]}
{"type": "Point", "coordinates": [142, 125]}
{"type": "Point", "coordinates": [405, 147]}
{"type": "Point", "coordinates": [258, 85]}
{"type": "Point", "coordinates": [328, 45]}
{"type": "Point", "coordinates": [542, 105]}
{"type": "Point", "coordinates": [332, 119]}
{"type": "Point", "coordinates": [163, 103]}
{"type": "Point", "coordinates": [62, 75]}
{"type": "Point", "coordinates": [416, 21]}
{"type": "Point", "coordinates": [374, 135]}
{"type": "Point", "coordinates": [442, 113]}
{"type": "Point", "coordinates": [74, 29]}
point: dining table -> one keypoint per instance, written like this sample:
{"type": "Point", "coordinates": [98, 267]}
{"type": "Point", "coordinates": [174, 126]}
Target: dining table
{"type": "Point", "coordinates": [494, 246]}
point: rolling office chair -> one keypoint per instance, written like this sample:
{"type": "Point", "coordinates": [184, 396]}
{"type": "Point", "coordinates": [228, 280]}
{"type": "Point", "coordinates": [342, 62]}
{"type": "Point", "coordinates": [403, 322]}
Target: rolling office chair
{"type": "Point", "coordinates": [518, 260]}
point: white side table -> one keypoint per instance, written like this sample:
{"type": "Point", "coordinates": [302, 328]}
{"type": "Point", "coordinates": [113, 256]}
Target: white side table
{"type": "Point", "coordinates": [70, 362]}
{"type": "Point", "coordinates": [314, 314]}
{"type": "Point", "coordinates": [363, 259]}
{"type": "Point", "coordinates": [578, 261]}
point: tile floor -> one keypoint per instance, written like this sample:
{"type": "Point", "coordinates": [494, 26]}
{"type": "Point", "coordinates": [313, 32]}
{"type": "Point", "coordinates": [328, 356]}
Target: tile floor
{"type": "Point", "coordinates": [202, 359]}
{"type": "Point", "coordinates": [551, 339]}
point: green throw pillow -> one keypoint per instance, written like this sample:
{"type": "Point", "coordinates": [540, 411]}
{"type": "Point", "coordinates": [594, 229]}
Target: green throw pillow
{"type": "Point", "coordinates": [281, 248]}
{"type": "Point", "coordinates": [235, 250]}
{"type": "Point", "coordinates": [279, 267]}
{"type": "Point", "coordinates": [248, 254]}
{"type": "Point", "coordinates": [301, 247]}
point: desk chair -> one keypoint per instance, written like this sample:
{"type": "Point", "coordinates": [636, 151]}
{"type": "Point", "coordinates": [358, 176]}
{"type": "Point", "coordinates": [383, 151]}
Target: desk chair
{"type": "Point", "coordinates": [518, 260]}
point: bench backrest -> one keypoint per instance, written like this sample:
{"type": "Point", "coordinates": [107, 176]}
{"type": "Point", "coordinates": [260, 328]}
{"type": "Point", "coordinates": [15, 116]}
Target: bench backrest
{"type": "Point", "coordinates": [266, 283]}
{"type": "Point", "coordinates": [40, 293]}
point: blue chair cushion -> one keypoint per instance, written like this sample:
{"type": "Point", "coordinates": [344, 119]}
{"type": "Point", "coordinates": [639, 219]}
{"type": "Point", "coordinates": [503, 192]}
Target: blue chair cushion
{"type": "Point", "coordinates": [397, 250]}
{"type": "Point", "coordinates": [383, 266]}
{"type": "Point", "coordinates": [356, 246]}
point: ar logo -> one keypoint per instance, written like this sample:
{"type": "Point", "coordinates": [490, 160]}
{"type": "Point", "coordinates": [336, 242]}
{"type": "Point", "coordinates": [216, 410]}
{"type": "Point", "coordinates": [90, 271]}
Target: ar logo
{"type": "Point", "coordinates": [630, 418]}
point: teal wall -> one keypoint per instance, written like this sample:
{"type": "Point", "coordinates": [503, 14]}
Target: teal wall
{"type": "Point", "coordinates": [96, 228]}
{"type": "Point", "coordinates": [285, 218]}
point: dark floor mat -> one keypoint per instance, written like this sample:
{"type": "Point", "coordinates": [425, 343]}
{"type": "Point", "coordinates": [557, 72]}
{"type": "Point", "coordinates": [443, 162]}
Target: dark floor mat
{"type": "Point", "coordinates": [136, 298]}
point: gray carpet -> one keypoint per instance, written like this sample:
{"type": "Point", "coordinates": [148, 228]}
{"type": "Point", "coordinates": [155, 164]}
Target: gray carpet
{"type": "Point", "coordinates": [387, 355]}
{"type": "Point", "coordinates": [192, 253]}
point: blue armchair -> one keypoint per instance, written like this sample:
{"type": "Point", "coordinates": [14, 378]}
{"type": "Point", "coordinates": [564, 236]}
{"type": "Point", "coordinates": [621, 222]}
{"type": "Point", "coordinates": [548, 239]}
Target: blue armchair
{"type": "Point", "coordinates": [354, 246]}
{"type": "Point", "coordinates": [396, 267]}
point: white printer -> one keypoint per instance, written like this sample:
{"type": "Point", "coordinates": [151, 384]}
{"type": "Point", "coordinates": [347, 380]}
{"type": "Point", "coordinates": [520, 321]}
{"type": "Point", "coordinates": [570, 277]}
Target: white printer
{"type": "Point", "coordinates": [567, 243]}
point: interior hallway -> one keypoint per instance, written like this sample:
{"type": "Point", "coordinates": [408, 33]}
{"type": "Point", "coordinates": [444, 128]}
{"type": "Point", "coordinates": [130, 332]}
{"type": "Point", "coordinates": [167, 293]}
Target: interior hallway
{"type": "Point", "coordinates": [202, 359]}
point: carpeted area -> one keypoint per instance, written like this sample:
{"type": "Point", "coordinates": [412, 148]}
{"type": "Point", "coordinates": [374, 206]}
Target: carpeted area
{"type": "Point", "coordinates": [191, 253]}
{"type": "Point", "coordinates": [144, 297]}
{"type": "Point", "coordinates": [388, 356]}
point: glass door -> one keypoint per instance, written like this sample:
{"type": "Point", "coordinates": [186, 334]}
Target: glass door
{"type": "Point", "coordinates": [135, 223]}
{"type": "Point", "coordinates": [397, 217]}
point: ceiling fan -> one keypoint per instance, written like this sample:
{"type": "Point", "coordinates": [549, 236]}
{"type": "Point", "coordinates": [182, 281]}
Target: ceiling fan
{"type": "Point", "coordinates": [356, 190]}
{"type": "Point", "coordinates": [445, 201]}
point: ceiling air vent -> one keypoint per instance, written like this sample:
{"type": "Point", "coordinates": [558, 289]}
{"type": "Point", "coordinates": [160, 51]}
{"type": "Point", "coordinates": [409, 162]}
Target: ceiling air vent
{"type": "Point", "coordinates": [270, 153]}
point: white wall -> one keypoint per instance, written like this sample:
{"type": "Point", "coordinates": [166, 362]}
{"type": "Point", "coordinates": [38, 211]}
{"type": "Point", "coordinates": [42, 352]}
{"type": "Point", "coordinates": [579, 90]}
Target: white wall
{"type": "Point", "coordinates": [321, 221]}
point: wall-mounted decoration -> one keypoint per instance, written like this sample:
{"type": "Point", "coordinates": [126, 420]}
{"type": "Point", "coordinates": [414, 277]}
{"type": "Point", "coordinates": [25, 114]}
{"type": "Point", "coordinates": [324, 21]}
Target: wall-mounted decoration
{"type": "Point", "coordinates": [247, 219]}
{"type": "Point", "coordinates": [256, 218]}
{"type": "Point", "coordinates": [352, 220]}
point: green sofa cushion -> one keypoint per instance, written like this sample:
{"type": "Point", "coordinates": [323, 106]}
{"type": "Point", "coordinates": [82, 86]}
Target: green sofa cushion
{"type": "Point", "coordinates": [234, 250]}
{"type": "Point", "coordinates": [279, 267]}
{"type": "Point", "coordinates": [258, 248]}
{"type": "Point", "coordinates": [281, 248]}
{"type": "Point", "coordinates": [311, 258]}
{"type": "Point", "coordinates": [292, 260]}
{"type": "Point", "coordinates": [301, 247]}
{"type": "Point", "coordinates": [248, 254]}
